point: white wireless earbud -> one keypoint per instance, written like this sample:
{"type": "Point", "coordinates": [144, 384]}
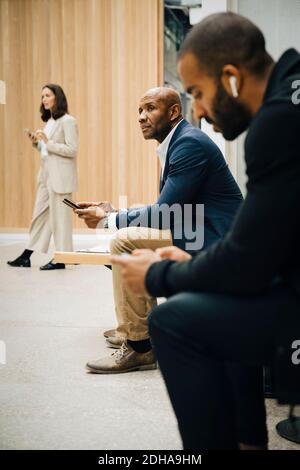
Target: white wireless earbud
{"type": "Point", "coordinates": [232, 81]}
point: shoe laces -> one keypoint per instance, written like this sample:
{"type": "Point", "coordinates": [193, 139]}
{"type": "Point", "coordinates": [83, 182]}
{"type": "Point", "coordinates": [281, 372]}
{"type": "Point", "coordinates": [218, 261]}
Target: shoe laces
{"type": "Point", "coordinates": [120, 353]}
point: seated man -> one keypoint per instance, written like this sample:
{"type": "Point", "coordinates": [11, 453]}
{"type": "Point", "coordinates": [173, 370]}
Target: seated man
{"type": "Point", "coordinates": [232, 307]}
{"type": "Point", "coordinates": [194, 173]}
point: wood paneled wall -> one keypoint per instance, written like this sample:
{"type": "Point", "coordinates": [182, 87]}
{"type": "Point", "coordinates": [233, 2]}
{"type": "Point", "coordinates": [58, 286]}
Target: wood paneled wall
{"type": "Point", "coordinates": [105, 54]}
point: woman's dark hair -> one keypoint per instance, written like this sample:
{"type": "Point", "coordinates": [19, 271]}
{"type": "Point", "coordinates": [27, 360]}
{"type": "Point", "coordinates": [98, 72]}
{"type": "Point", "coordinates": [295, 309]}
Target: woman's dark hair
{"type": "Point", "coordinates": [61, 104]}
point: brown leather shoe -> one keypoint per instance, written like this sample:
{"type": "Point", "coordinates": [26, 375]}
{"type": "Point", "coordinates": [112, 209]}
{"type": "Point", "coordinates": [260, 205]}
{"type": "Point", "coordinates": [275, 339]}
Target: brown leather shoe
{"type": "Point", "coordinates": [123, 360]}
{"type": "Point", "coordinates": [114, 342]}
{"type": "Point", "coordinates": [109, 333]}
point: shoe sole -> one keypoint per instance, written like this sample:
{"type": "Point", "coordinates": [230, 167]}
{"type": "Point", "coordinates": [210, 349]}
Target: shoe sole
{"type": "Point", "coordinates": [51, 269]}
{"type": "Point", "coordinates": [132, 369]}
{"type": "Point", "coordinates": [18, 266]}
{"type": "Point", "coordinates": [113, 346]}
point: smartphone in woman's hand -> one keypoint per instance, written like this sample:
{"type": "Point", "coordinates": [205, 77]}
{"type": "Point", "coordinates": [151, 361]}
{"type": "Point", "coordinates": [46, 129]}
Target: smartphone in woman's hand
{"type": "Point", "coordinates": [30, 134]}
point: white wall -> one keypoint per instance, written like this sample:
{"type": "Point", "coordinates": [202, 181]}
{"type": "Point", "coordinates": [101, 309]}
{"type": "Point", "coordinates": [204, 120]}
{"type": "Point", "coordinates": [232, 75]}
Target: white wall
{"type": "Point", "coordinates": [208, 7]}
{"type": "Point", "coordinates": [280, 23]}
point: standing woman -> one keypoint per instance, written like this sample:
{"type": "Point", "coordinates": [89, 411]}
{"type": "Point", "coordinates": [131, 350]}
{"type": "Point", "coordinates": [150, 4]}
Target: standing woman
{"type": "Point", "coordinates": [57, 179]}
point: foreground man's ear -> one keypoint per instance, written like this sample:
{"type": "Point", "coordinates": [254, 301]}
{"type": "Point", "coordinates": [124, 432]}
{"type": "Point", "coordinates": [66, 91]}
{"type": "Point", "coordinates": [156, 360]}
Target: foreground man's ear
{"type": "Point", "coordinates": [231, 80]}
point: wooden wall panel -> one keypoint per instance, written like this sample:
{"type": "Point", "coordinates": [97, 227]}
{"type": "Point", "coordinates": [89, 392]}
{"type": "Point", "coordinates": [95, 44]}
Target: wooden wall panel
{"type": "Point", "coordinates": [105, 54]}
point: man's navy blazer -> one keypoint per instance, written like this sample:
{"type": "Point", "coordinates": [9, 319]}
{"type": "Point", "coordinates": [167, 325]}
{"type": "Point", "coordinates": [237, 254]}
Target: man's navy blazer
{"type": "Point", "coordinates": [195, 173]}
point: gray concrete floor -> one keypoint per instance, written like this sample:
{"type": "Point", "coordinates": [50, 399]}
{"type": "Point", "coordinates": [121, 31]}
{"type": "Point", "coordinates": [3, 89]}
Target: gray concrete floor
{"type": "Point", "coordinates": [52, 323]}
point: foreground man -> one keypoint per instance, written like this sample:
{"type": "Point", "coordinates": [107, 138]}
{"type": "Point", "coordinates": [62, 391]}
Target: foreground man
{"type": "Point", "coordinates": [194, 173]}
{"type": "Point", "coordinates": [231, 305]}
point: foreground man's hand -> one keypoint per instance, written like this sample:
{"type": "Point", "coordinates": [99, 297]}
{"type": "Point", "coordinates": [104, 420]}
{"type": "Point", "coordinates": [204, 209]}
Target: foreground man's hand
{"type": "Point", "coordinates": [173, 253]}
{"type": "Point", "coordinates": [134, 268]}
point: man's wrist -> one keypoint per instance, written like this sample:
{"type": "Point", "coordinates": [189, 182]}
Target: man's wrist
{"type": "Point", "coordinates": [155, 278]}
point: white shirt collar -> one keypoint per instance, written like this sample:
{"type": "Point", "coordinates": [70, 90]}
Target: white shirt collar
{"type": "Point", "coordinates": [162, 149]}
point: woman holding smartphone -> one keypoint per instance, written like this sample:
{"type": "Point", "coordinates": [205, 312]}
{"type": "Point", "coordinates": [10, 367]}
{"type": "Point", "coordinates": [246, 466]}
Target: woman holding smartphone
{"type": "Point", "coordinates": [57, 179]}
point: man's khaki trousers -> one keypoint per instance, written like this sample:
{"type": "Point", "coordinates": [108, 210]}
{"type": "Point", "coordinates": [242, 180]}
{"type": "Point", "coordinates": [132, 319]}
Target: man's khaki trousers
{"type": "Point", "coordinates": [131, 310]}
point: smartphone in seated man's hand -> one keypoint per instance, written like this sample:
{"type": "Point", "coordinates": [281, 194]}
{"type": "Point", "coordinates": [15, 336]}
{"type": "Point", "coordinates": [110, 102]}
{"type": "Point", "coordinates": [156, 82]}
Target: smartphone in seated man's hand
{"type": "Point", "coordinates": [71, 204]}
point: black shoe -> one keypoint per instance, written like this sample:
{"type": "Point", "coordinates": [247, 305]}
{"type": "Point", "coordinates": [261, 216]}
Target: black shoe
{"type": "Point", "coordinates": [20, 262]}
{"type": "Point", "coordinates": [50, 266]}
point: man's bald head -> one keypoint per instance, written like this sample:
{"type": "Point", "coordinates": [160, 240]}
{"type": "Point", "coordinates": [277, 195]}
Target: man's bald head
{"type": "Point", "coordinates": [168, 96]}
{"type": "Point", "coordinates": [159, 111]}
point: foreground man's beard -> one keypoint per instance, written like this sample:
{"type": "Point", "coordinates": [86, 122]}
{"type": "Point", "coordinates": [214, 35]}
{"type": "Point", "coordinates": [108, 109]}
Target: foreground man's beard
{"type": "Point", "coordinates": [231, 117]}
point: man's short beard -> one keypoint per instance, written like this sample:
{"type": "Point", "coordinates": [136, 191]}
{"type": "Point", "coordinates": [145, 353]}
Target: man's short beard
{"type": "Point", "coordinates": [231, 117]}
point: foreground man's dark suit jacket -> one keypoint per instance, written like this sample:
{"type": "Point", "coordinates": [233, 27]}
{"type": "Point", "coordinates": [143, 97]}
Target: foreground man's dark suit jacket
{"type": "Point", "coordinates": [195, 173]}
{"type": "Point", "coordinates": [264, 242]}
